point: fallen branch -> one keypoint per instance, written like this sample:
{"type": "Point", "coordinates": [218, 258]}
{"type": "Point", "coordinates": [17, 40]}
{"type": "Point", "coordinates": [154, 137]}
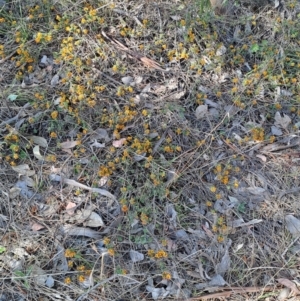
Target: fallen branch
{"type": "Point", "coordinates": [233, 290]}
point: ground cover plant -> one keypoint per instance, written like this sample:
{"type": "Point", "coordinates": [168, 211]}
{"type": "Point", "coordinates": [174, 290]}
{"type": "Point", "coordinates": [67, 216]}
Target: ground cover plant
{"type": "Point", "coordinates": [149, 150]}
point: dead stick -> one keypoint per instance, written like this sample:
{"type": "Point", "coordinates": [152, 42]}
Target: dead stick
{"type": "Point", "coordinates": [233, 290]}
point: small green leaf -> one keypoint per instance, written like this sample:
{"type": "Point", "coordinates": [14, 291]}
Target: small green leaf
{"type": "Point", "coordinates": [254, 48]}
{"type": "Point", "coordinates": [12, 97]}
{"type": "Point", "coordinates": [2, 249]}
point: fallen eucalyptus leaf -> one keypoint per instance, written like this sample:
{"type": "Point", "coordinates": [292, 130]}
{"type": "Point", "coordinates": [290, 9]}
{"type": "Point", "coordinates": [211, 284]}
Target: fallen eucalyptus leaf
{"type": "Point", "coordinates": [276, 3]}
{"type": "Point", "coordinates": [70, 208]}
{"type": "Point", "coordinates": [293, 225]}
{"type": "Point", "coordinates": [136, 256]}
{"type": "Point", "coordinates": [94, 220]}
{"type": "Point", "coordinates": [36, 227]}
{"type": "Point", "coordinates": [24, 191]}
{"type": "Point", "coordinates": [201, 111]}
{"type": "Point", "coordinates": [103, 181]}
{"type": "Point", "coordinates": [119, 143]}
{"type": "Point", "coordinates": [211, 103]}
{"type": "Point", "coordinates": [14, 192]}
{"type": "Point", "coordinates": [276, 131]}
{"type": "Point", "coordinates": [69, 144]}
{"type": "Point", "coordinates": [176, 96]}
{"type": "Point", "coordinates": [221, 51]}
{"type": "Point", "coordinates": [262, 158]}
{"type": "Point", "coordinates": [217, 281]}
{"type": "Point", "coordinates": [288, 283]}
{"type": "Point", "coordinates": [49, 281]}
{"type": "Point", "coordinates": [256, 190]}
{"type": "Point", "coordinates": [101, 134]}
{"type": "Point", "coordinates": [223, 206]}
{"type": "Point", "coordinates": [39, 141]}
{"type": "Point", "coordinates": [127, 80]}
{"type": "Point", "coordinates": [181, 234]}
{"type": "Point", "coordinates": [37, 154]}
{"type": "Point", "coordinates": [58, 178]}
{"type": "Point", "coordinates": [55, 178]}
{"type": "Point", "coordinates": [44, 60]}
{"type": "Point", "coordinates": [224, 265]}
{"type": "Point", "coordinates": [80, 231]}
{"type": "Point", "coordinates": [157, 293]}
{"type": "Point", "coordinates": [103, 192]}
{"type": "Point", "coordinates": [284, 294]}
{"type": "Point", "coordinates": [138, 158]}
{"type": "Point", "coordinates": [39, 274]}
{"type": "Point", "coordinates": [24, 170]}
{"type": "Point", "coordinates": [54, 80]}
{"type": "Point", "coordinates": [97, 144]}
{"type": "Point", "coordinates": [282, 121]}
{"type": "Point", "coordinates": [29, 181]}
{"type": "Point", "coordinates": [176, 18]}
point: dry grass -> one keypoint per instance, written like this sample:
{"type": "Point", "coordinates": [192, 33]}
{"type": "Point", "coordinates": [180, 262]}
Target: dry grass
{"type": "Point", "coordinates": [112, 94]}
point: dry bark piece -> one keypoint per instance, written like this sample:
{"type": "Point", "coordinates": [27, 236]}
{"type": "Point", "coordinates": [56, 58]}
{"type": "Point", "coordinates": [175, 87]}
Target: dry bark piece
{"type": "Point", "coordinates": [289, 284]}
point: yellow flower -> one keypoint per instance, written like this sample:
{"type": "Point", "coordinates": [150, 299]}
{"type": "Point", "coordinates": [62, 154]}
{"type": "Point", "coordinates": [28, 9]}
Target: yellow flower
{"type": "Point", "coordinates": [168, 149]}
{"type": "Point", "coordinates": [220, 238]}
{"type": "Point", "coordinates": [184, 55]}
{"type": "Point", "coordinates": [225, 180]}
{"type": "Point", "coordinates": [67, 280]}
{"type": "Point", "coordinates": [48, 37]}
{"type": "Point", "coordinates": [178, 131]}
{"type": "Point", "coordinates": [124, 208]}
{"type": "Point", "coordinates": [80, 268]}
{"type": "Point", "coordinates": [111, 252]}
{"type": "Point", "coordinates": [106, 240]}
{"type": "Point", "coordinates": [218, 168]}
{"type": "Point", "coordinates": [151, 253]}
{"type": "Point", "coordinates": [144, 219]}
{"type": "Point", "coordinates": [38, 37]}
{"type": "Point", "coordinates": [53, 135]}
{"type": "Point", "coordinates": [213, 189]}
{"type": "Point", "coordinates": [54, 115]}
{"type": "Point", "coordinates": [234, 89]}
{"type": "Point", "coordinates": [81, 278]}
{"type": "Point", "coordinates": [161, 254]}
{"type": "Point", "coordinates": [166, 275]}
{"type": "Point", "coordinates": [70, 263]}
{"type": "Point", "coordinates": [70, 253]}
{"type": "Point", "coordinates": [208, 203]}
